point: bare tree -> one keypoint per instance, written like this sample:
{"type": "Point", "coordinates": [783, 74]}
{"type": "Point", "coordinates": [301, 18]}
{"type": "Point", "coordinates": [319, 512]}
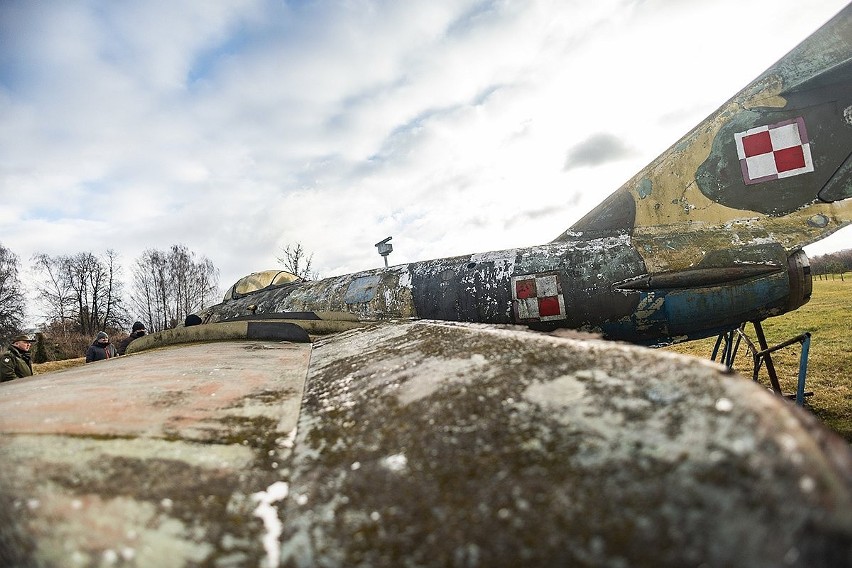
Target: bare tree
{"type": "Point", "coordinates": [54, 296]}
{"type": "Point", "coordinates": [81, 291]}
{"type": "Point", "coordinates": [195, 282]}
{"type": "Point", "coordinates": [11, 296]}
{"type": "Point", "coordinates": [168, 286]}
{"type": "Point", "coordinates": [147, 294]}
{"type": "Point", "coordinates": [294, 259]}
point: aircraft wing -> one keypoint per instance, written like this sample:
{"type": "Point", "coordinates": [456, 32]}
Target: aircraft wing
{"type": "Point", "coordinates": [414, 443]}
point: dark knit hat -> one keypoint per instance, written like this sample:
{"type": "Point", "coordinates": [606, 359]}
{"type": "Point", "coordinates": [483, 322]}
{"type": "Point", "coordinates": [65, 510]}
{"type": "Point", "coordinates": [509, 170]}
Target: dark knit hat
{"type": "Point", "coordinates": [101, 335]}
{"type": "Point", "coordinates": [138, 325]}
{"type": "Point", "coordinates": [191, 320]}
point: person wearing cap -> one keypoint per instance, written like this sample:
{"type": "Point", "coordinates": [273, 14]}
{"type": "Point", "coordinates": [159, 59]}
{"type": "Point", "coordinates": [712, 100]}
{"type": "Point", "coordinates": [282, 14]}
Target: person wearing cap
{"type": "Point", "coordinates": [16, 362]}
{"type": "Point", "coordinates": [101, 348]}
{"type": "Point", "coordinates": [136, 332]}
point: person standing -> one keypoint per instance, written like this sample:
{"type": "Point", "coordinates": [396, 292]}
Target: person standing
{"type": "Point", "coordinates": [136, 332]}
{"type": "Point", "coordinates": [101, 348]}
{"type": "Point", "coordinates": [16, 362]}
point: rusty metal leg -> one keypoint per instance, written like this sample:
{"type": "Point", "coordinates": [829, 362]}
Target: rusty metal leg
{"type": "Point", "coordinates": [770, 367]}
{"type": "Point", "coordinates": [716, 347]}
{"type": "Point", "coordinates": [726, 357]}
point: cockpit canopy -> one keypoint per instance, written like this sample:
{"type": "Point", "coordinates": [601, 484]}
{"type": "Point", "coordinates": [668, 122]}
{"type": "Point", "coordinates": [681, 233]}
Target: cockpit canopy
{"type": "Point", "coordinates": [259, 281]}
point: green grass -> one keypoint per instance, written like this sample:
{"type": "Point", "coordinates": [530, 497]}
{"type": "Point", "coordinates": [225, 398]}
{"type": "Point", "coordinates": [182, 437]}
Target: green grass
{"type": "Point", "coordinates": [827, 317]}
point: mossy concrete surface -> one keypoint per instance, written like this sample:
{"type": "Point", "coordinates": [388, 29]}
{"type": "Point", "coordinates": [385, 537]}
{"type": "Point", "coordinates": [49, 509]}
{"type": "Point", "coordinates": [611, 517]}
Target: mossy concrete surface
{"type": "Point", "coordinates": [148, 460]}
{"type": "Point", "coordinates": [416, 444]}
{"type": "Point", "coordinates": [431, 444]}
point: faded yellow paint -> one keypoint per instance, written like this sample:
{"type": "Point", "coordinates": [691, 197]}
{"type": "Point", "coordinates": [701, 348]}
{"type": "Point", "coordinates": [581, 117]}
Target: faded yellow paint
{"type": "Point", "coordinates": [674, 189]}
{"type": "Point", "coordinates": [669, 247]}
{"type": "Point", "coordinates": [793, 230]}
{"type": "Point", "coordinates": [765, 93]}
{"type": "Point", "coordinates": [675, 207]}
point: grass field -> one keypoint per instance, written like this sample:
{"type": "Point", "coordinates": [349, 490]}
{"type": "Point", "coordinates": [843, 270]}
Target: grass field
{"type": "Point", "coordinates": [40, 368]}
{"type": "Point", "coordinates": [827, 317]}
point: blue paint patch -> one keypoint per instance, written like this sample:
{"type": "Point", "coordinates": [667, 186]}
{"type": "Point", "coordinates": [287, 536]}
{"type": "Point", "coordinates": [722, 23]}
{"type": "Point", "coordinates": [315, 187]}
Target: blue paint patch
{"type": "Point", "coordinates": [362, 289]}
{"type": "Point", "coordinates": [717, 306]}
{"type": "Point", "coordinates": [645, 188]}
{"type": "Point", "coordinates": [695, 313]}
{"type": "Point", "coordinates": [819, 221]}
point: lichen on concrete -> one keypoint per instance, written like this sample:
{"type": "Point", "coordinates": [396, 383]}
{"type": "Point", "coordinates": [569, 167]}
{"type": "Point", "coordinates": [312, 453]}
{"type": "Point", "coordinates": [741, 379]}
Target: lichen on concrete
{"type": "Point", "coordinates": [463, 445]}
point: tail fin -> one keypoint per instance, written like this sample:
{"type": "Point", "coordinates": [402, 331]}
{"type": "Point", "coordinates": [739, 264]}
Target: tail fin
{"type": "Point", "coordinates": [774, 164]}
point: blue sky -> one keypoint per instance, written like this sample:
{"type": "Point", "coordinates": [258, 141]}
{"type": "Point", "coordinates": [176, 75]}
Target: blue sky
{"type": "Point", "coordinates": [455, 126]}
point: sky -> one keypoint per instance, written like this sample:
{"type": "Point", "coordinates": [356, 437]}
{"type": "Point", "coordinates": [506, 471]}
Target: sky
{"type": "Point", "coordinates": [454, 126]}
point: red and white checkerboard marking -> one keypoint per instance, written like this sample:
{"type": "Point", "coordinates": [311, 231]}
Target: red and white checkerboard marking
{"type": "Point", "coordinates": [774, 151]}
{"type": "Point", "coordinates": [538, 297]}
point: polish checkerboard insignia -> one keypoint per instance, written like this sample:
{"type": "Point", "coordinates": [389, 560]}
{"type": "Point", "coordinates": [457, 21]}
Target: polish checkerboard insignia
{"type": "Point", "coordinates": [774, 151]}
{"type": "Point", "coordinates": [538, 297]}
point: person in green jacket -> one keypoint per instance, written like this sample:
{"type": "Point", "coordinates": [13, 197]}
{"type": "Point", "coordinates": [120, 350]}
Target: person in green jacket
{"type": "Point", "coordinates": [16, 361]}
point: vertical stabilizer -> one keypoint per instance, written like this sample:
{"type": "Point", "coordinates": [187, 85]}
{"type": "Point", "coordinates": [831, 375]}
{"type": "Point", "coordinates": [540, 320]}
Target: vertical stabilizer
{"type": "Point", "coordinates": [772, 165]}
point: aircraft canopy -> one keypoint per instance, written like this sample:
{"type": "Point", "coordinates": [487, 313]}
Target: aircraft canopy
{"type": "Point", "coordinates": [258, 281]}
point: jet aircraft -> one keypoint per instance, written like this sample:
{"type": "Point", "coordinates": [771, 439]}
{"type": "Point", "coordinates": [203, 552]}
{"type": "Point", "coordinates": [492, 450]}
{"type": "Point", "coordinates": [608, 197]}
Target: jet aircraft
{"type": "Point", "coordinates": [706, 237]}
{"type": "Point", "coordinates": [342, 423]}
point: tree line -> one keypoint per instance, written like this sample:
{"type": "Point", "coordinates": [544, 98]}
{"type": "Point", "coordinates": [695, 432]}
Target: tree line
{"type": "Point", "coordinates": [79, 294]}
{"type": "Point", "coordinates": [832, 263]}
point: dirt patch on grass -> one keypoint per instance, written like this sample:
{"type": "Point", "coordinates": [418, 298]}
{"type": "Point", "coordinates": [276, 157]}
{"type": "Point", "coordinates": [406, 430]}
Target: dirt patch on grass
{"type": "Point", "coordinates": [41, 368]}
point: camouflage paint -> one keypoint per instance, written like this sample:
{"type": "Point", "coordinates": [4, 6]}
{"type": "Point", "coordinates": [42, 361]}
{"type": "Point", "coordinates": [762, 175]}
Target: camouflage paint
{"type": "Point", "coordinates": [693, 199]}
{"type": "Point", "coordinates": [688, 221]}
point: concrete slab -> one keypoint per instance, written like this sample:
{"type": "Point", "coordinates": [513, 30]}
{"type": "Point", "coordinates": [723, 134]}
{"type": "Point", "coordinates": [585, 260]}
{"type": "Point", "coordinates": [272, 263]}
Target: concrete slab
{"type": "Point", "coordinates": [430, 444]}
{"type": "Point", "coordinates": [148, 460]}
{"type": "Point", "coordinates": [416, 444]}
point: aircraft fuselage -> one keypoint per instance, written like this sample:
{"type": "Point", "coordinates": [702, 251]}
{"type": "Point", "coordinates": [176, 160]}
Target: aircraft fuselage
{"type": "Point", "coordinates": [596, 285]}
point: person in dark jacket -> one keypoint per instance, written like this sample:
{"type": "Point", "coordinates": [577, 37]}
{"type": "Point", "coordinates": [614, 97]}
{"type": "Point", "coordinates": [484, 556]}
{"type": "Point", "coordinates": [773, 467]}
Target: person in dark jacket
{"type": "Point", "coordinates": [100, 349]}
{"type": "Point", "coordinates": [136, 332]}
{"type": "Point", "coordinates": [16, 363]}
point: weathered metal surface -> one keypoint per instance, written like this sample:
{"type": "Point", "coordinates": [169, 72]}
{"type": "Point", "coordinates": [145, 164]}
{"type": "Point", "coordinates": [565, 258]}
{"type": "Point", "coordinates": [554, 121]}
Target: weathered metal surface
{"type": "Point", "coordinates": [459, 445]}
{"type": "Point", "coordinates": [279, 328]}
{"type": "Point", "coordinates": [474, 287]}
{"type": "Point", "coordinates": [417, 444]}
{"type": "Point", "coordinates": [708, 236]}
{"type": "Point", "coordinates": [699, 196]}
{"type": "Point", "coordinates": [698, 277]}
{"type": "Point", "coordinates": [587, 293]}
{"type": "Point", "coordinates": [155, 459]}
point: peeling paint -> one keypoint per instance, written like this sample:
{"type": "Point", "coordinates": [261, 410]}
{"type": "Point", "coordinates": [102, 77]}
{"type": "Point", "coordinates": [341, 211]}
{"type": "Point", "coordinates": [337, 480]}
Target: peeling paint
{"type": "Point", "coordinates": [269, 515]}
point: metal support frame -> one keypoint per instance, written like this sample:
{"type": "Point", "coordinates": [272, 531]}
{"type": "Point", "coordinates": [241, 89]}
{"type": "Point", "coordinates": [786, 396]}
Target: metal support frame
{"type": "Point", "coordinates": [763, 356]}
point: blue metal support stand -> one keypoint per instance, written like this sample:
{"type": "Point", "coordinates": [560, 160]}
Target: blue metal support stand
{"type": "Point", "coordinates": [763, 357]}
